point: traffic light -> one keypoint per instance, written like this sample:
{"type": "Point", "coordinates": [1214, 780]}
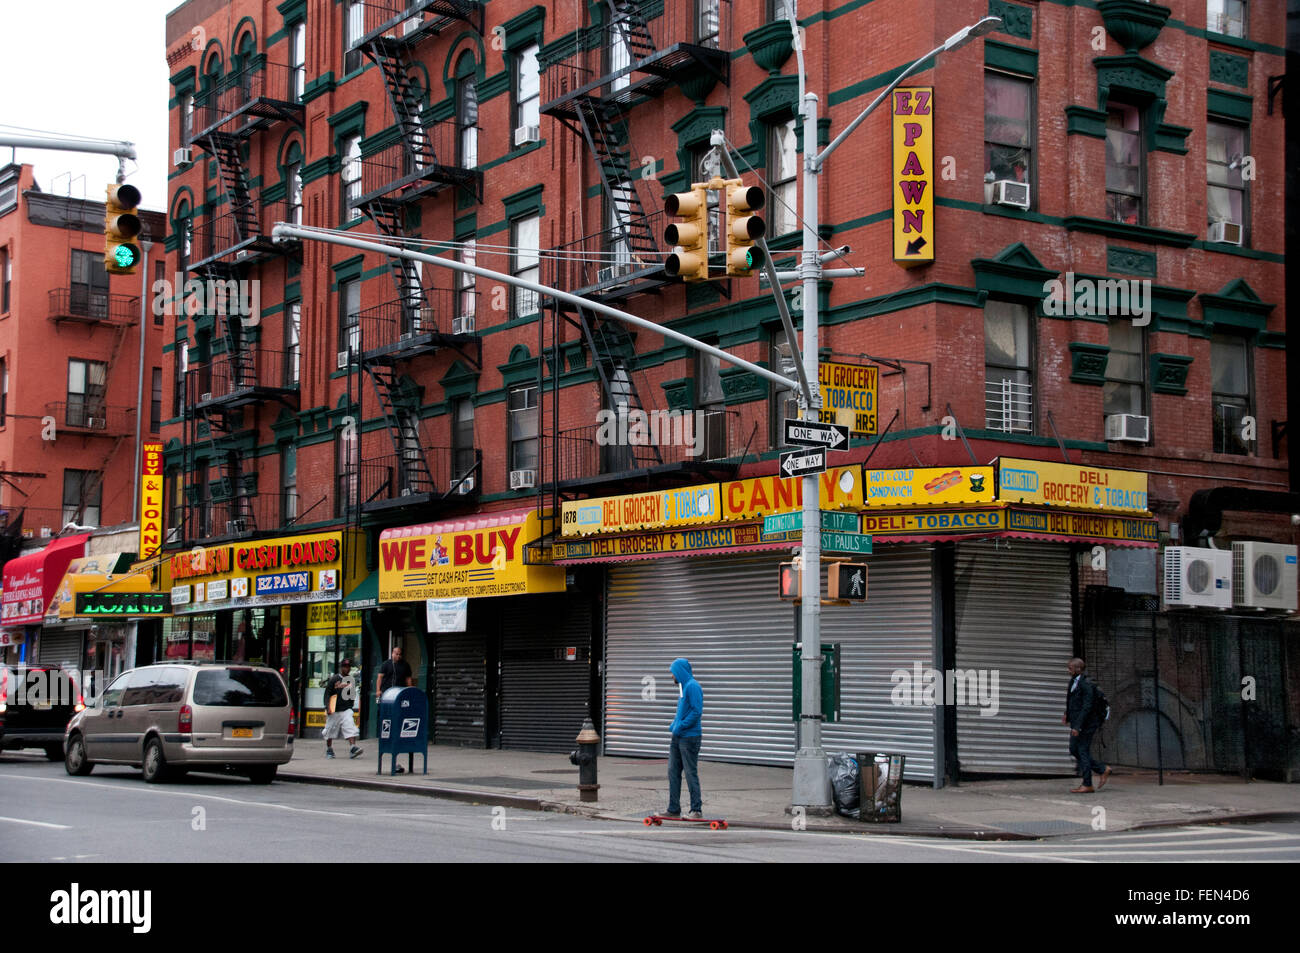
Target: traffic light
{"type": "Point", "coordinates": [121, 226]}
{"type": "Point", "coordinates": [847, 582]}
{"type": "Point", "coordinates": [790, 581]}
{"type": "Point", "coordinates": [743, 228]}
{"type": "Point", "coordinates": [690, 237]}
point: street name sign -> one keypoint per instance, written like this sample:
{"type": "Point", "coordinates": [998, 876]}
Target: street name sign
{"type": "Point", "coordinates": [846, 543]}
{"type": "Point", "coordinates": [832, 521]}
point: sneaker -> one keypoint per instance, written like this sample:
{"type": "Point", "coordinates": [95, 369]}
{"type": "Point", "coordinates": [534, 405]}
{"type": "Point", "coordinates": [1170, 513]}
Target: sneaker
{"type": "Point", "coordinates": [695, 816]}
{"type": "Point", "coordinates": [400, 769]}
{"type": "Point", "coordinates": [329, 752]}
{"type": "Point", "coordinates": [671, 814]}
{"type": "Point", "coordinates": [355, 752]}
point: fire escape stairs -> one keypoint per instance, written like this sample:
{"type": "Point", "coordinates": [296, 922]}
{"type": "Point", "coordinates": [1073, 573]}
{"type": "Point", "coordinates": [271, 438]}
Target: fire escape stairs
{"type": "Point", "coordinates": [611, 346]}
{"type": "Point", "coordinates": [413, 474]}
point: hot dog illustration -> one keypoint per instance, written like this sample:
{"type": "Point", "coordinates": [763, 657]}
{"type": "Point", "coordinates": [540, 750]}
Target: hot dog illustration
{"type": "Point", "coordinates": [941, 483]}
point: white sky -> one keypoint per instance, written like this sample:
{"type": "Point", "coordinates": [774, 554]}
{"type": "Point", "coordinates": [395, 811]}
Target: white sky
{"type": "Point", "coordinates": [54, 77]}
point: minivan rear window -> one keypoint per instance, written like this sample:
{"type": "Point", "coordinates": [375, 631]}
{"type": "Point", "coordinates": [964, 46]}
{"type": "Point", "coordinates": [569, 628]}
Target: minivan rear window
{"type": "Point", "coordinates": [239, 687]}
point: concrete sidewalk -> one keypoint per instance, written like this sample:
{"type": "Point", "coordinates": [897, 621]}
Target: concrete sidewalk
{"type": "Point", "coordinates": [751, 796]}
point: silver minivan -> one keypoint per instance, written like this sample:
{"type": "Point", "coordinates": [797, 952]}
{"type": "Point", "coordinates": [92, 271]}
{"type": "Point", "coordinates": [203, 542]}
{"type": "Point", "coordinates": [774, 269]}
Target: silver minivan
{"type": "Point", "coordinates": [173, 716]}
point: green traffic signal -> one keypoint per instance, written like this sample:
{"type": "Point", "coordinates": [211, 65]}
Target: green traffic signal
{"type": "Point", "coordinates": [124, 256]}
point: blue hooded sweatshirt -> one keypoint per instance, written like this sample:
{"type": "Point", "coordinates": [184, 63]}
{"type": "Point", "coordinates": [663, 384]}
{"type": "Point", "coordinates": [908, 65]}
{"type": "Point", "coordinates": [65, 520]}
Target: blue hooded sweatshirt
{"type": "Point", "coordinates": [690, 706]}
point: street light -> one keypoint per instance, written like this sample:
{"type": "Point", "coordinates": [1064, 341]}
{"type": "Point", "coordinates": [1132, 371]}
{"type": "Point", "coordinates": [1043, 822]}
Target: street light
{"type": "Point", "coordinates": [811, 788]}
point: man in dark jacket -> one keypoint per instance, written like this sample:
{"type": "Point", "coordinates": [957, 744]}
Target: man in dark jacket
{"type": "Point", "coordinates": [1083, 720]}
{"type": "Point", "coordinates": [684, 750]}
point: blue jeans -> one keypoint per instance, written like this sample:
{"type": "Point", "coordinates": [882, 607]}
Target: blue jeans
{"type": "Point", "coordinates": [1081, 748]}
{"type": "Point", "coordinates": [683, 753]}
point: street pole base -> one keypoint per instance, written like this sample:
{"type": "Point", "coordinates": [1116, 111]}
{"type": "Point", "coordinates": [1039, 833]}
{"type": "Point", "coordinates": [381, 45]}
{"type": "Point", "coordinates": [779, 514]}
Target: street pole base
{"type": "Point", "coordinates": [811, 810]}
{"type": "Point", "coordinates": [587, 793]}
{"type": "Point", "coordinates": [812, 782]}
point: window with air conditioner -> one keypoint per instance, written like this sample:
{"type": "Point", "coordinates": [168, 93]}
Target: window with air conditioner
{"type": "Point", "coordinates": [1008, 139]}
{"type": "Point", "coordinates": [1227, 199]}
{"type": "Point", "coordinates": [523, 413]}
{"type": "Point", "coordinates": [1008, 367]}
{"type": "Point", "coordinates": [1124, 393]}
{"type": "Point", "coordinates": [462, 442]}
{"type": "Point", "coordinates": [527, 94]}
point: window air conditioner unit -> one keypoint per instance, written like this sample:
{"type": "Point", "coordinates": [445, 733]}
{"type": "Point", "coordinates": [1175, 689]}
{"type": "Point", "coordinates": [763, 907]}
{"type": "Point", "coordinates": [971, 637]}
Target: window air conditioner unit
{"type": "Point", "coordinates": [467, 485]}
{"type": "Point", "coordinates": [205, 397]}
{"type": "Point", "coordinates": [236, 526]}
{"type": "Point", "coordinates": [1198, 577]}
{"type": "Point", "coordinates": [95, 423]}
{"type": "Point", "coordinates": [343, 359]}
{"type": "Point", "coordinates": [1264, 576]}
{"type": "Point", "coordinates": [241, 255]}
{"type": "Point", "coordinates": [463, 325]}
{"type": "Point", "coordinates": [1228, 232]}
{"type": "Point", "coordinates": [183, 158]}
{"type": "Point", "coordinates": [1130, 428]}
{"type": "Point", "coordinates": [1011, 192]}
{"type": "Point", "coordinates": [527, 134]}
{"type": "Point", "coordinates": [523, 479]}
{"type": "Point", "coordinates": [614, 272]}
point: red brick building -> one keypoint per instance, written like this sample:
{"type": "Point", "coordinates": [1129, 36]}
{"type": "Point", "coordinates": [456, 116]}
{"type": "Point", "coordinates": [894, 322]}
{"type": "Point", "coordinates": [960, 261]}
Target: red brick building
{"type": "Point", "coordinates": [1134, 143]}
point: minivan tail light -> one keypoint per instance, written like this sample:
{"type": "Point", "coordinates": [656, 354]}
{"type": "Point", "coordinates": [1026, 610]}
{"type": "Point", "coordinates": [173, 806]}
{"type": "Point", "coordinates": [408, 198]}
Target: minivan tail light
{"type": "Point", "coordinates": [293, 722]}
{"type": "Point", "coordinates": [185, 722]}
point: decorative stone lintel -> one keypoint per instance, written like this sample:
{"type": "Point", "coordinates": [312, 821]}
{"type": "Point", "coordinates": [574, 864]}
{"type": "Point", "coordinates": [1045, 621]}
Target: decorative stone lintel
{"type": "Point", "coordinates": [1169, 373]}
{"type": "Point", "coordinates": [1088, 362]}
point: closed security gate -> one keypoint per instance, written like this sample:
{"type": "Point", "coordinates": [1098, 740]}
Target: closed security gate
{"type": "Point", "coordinates": [460, 683]}
{"type": "Point", "coordinates": [545, 671]}
{"type": "Point", "coordinates": [60, 648]}
{"type": "Point", "coordinates": [724, 615]}
{"type": "Point", "coordinates": [1013, 622]}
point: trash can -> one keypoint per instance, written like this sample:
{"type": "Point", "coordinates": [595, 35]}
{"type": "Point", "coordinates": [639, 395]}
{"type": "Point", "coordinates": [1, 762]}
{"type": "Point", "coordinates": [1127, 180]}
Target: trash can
{"type": "Point", "coordinates": [403, 727]}
{"type": "Point", "coordinates": [881, 787]}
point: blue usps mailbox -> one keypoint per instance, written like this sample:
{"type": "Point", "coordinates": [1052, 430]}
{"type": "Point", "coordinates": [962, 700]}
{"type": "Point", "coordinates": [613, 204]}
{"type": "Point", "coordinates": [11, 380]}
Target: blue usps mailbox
{"type": "Point", "coordinates": [403, 727]}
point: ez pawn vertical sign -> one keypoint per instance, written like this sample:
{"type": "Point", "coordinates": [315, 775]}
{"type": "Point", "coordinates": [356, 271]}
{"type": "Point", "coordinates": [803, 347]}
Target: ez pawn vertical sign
{"type": "Point", "coordinates": [913, 171]}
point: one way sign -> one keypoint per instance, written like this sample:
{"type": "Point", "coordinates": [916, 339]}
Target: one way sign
{"type": "Point", "coordinates": [801, 433]}
{"type": "Point", "coordinates": [803, 462]}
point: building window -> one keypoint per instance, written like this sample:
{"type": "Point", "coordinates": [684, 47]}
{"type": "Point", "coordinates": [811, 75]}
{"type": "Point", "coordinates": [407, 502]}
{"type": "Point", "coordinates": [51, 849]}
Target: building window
{"type": "Point", "coordinates": [1008, 125]}
{"type": "Point", "coordinates": [182, 364]}
{"type": "Point", "coordinates": [1124, 165]}
{"type": "Point", "coordinates": [523, 427]}
{"type": "Point", "coordinates": [706, 20]}
{"type": "Point", "coordinates": [292, 343]}
{"type": "Point", "coordinates": [1124, 390]}
{"type": "Point", "coordinates": [783, 173]}
{"type": "Point", "coordinates": [187, 117]}
{"type": "Point", "coordinates": [776, 9]}
{"type": "Point", "coordinates": [467, 298]}
{"type": "Point", "coordinates": [618, 54]}
{"type": "Point", "coordinates": [345, 463]}
{"type": "Point", "coordinates": [1226, 16]}
{"type": "Point", "coordinates": [355, 22]}
{"type": "Point", "coordinates": [293, 178]}
{"type": "Point", "coordinates": [1230, 396]}
{"type": "Point", "coordinates": [155, 401]}
{"type": "Point", "coordinates": [159, 274]}
{"type": "Point", "coordinates": [351, 176]}
{"type": "Point", "coordinates": [467, 116]}
{"type": "Point", "coordinates": [6, 278]}
{"type": "Point", "coordinates": [87, 383]}
{"type": "Point", "coordinates": [462, 437]}
{"type": "Point", "coordinates": [89, 285]}
{"type": "Point", "coordinates": [288, 484]}
{"type": "Point", "coordinates": [1226, 198]}
{"type": "Point", "coordinates": [83, 492]}
{"type": "Point", "coordinates": [203, 498]}
{"type": "Point", "coordinates": [298, 58]}
{"type": "Point", "coordinates": [1008, 367]}
{"type": "Point", "coordinates": [4, 390]}
{"type": "Point", "coordinates": [528, 88]}
{"type": "Point", "coordinates": [350, 316]}
{"type": "Point", "coordinates": [618, 247]}
{"type": "Point", "coordinates": [8, 195]}
{"type": "Point", "coordinates": [174, 493]}
{"type": "Point", "coordinates": [525, 238]}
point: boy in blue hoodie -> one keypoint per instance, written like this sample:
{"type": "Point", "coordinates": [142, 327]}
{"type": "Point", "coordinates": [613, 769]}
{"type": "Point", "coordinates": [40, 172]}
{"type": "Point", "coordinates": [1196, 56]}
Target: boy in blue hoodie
{"type": "Point", "coordinates": [684, 750]}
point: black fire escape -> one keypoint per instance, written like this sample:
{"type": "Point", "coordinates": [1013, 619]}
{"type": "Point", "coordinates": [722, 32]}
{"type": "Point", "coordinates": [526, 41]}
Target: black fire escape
{"type": "Point", "coordinates": [223, 250]}
{"type": "Point", "coordinates": [420, 319]}
{"type": "Point", "coordinates": [592, 87]}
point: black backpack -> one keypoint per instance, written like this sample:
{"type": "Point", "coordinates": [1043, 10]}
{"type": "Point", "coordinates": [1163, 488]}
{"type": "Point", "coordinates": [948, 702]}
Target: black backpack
{"type": "Point", "coordinates": [1100, 706]}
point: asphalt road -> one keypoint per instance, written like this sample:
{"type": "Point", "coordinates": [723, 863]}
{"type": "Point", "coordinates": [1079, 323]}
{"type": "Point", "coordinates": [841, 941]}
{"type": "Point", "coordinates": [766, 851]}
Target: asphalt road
{"type": "Point", "coordinates": [112, 815]}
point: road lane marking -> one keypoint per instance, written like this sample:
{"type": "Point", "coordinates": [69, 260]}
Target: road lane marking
{"type": "Point", "coordinates": [19, 820]}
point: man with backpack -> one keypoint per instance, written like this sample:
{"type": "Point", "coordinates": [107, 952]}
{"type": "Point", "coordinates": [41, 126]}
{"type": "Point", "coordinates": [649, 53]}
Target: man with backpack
{"type": "Point", "coordinates": [340, 691]}
{"type": "Point", "coordinates": [1085, 710]}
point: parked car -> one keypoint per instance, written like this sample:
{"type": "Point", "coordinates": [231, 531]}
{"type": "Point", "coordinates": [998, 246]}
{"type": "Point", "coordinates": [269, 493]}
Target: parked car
{"type": "Point", "coordinates": [36, 704]}
{"type": "Point", "coordinates": [171, 717]}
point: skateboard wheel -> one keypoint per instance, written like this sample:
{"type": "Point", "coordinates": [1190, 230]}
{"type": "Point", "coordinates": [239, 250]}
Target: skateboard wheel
{"type": "Point", "coordinates": [659, 822]}
{"type": "Point", "coordinates": [724, 825]}
{"type": "Point", "coordinates": [648, 821]}
{"type": "Point", "coordinates": [713, 825]}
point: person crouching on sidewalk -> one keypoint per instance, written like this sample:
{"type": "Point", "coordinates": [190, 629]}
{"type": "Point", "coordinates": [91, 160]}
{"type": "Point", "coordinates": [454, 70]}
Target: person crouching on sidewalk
{"type": "Point", "coordinates": [340, 690]}
{"type": "Point", "coordinates": [684, 749]}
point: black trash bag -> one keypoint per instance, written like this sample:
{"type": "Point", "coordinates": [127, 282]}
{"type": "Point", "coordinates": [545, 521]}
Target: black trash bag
{"type": "Point", "coordinates": [845, 791]}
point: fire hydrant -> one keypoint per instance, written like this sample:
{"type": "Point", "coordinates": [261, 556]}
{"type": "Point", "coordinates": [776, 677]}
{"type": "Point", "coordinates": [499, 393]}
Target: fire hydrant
{"type": "Point", "coordinates": [585, 759]}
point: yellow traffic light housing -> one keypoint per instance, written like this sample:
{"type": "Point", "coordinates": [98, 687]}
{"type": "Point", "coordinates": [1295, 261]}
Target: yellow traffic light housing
{"type": "Point", "coordinates": [121, 227]}
{"type": "Point", "coordinates": [690, 237]}
{"type": "Point", "coordinates": [743, 228]}
{"type": "Point", "coordinates": [847, 582]}
{"type": "Point", "coordinates": [791, 581]}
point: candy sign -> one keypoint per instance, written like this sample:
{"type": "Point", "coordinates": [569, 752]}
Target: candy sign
{"type": "Point", "coordinates": [913, 170]}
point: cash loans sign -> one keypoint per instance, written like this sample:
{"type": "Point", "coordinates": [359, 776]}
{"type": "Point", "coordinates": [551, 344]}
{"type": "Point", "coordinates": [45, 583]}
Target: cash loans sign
{"type": "Point", "coordinates": [913, 156]}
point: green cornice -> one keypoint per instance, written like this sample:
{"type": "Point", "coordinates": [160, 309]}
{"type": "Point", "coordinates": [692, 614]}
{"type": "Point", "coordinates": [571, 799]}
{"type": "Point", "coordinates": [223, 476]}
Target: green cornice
{"type": "Point", "coordinates": [495, 85]}
{"type": "Point", "coordinates": [1222, 102]}
{"type": "Point", "coordinates": [1132, 233]}
{"type": "Point", "coordinates": [1085, 121]}
{"type": "Point", "coordinates": [524, 201]}
{"type": "Point", "coordinates": [293, 11]}
{"type": "Point", "coordinates": [1015, 59]}
{"type": "Point", "coordinates": [350, 115]}
{"type": "Point", "coordinates": [184, 81]}
{"type": "Point", "coordinates": [322, 167]}
{"type": "Point", "coordinates": [1013, 273]}
{"type": "Point", "coordinates": [315, 88]}
{"type": "Point", "coordinates": [527, 27]}
{"type": "Point", "coordinates": [519, 369]}
{"type": "Point", "coordinates": [1236, 306]}
{"type": "Point", "coordinates": [1169, 373]}
{"type": "Point", "coordinates": [459, 381]}
{"type": "Point", "coordinates": [1088, 363]}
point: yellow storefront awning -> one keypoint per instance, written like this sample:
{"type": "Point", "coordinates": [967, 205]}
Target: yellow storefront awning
{"type": "Point", "coordinates": [97, 595]}
{"type": "Point", "coordinates": [481, 555]}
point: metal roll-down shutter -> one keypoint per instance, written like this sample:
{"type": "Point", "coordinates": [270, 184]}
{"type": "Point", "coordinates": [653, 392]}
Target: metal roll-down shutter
{"type": "Point", "coordinates": [544, 693]}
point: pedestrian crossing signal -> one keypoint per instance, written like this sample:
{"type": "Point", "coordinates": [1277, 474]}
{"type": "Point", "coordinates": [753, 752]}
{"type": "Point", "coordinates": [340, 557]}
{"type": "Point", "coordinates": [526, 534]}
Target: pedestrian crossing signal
{"type": "Point", "coordinates": [847, 582]}
{"type": "Point", "coordinates": [790, 578]}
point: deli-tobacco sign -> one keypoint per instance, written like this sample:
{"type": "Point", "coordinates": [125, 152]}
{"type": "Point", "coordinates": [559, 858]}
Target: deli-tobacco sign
{"type": "Point", "coordinates": [1048, 524]}
{"type": "Point", "coordinates": [1072, 486]}
{"type": "Point", "coordinates": [685, 506]}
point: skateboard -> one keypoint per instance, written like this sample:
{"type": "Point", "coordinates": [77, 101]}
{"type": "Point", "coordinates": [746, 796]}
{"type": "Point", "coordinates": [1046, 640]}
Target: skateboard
{"type": "Point", "coordinates": [715, 824]}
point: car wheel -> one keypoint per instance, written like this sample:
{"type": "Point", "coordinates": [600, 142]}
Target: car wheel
{"type": "Point", "coordinates": [154, 767]}
{"type": "Point", "coordinates": [54, 752]}
{"type": "Point", "coordinates": [75, 759]}
{"type": "Point", "coordinates": [262, 774]}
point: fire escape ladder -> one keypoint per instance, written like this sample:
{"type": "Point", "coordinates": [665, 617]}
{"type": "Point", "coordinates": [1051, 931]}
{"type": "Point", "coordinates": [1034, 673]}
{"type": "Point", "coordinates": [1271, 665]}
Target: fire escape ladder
{"type": "Point", "coordinates": [391, 59]}
{"type": "Point", "coordinates": [234, 177]}
{"type": "Point", "coordinates": [609, 341]}
{"type": "Point", "coordinates": [616, 178]}
{"type": "Point", "coordinates": [413, 474]}
{"type": "Point", "coordinates": [627, 13]}
{"type": "Point", "coordinates": [389, 220]}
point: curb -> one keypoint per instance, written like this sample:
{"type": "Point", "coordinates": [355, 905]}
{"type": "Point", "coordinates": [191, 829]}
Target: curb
{"type": "Point", "coordinates": [398, 787]}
